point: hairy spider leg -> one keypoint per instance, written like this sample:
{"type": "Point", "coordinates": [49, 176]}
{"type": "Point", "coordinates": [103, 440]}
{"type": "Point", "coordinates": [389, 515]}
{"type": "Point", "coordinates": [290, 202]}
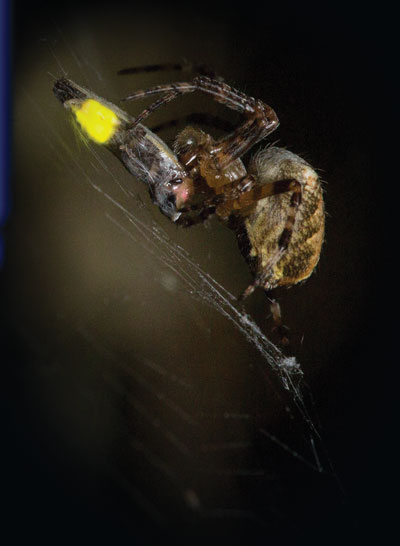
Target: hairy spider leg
{"type": "Point", "coordinates": [244, 193]}
{"type": "Point", "coordinates": [280, 186]}
{"type": "Point", "coordinates": [237, 199]}
{"type": "Point", "coordinates": [173, 92]}
{"type": "Point", "coordinates": [262, 119]}
{"type": "Point", "coordinates": [222, 92]}
{"type": "Point", "coordinates": [185, 66]}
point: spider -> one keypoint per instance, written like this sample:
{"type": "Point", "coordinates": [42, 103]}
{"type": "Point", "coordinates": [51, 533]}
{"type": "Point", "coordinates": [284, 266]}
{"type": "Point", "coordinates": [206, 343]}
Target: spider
{"type": "Point", "coordinates": [275, 205]}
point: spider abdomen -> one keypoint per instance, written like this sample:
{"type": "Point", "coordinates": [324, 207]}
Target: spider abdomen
{"type": "Point", "coordinates": [262, 229]}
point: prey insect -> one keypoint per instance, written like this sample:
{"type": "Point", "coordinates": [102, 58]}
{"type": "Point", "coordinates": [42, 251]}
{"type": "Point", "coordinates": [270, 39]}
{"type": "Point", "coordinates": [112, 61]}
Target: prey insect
{"type": "Point", "coordinates": [275, 205]}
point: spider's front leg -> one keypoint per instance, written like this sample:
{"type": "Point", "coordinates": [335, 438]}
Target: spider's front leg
{"type": "Point", "coordinates": [261, 120]}
{"type": "Point", "coordinates": [241, 195]}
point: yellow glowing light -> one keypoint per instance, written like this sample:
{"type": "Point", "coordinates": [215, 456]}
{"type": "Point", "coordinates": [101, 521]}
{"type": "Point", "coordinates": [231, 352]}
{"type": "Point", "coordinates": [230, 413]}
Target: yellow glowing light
{"type": "Point", "coordinates": [99, 122]}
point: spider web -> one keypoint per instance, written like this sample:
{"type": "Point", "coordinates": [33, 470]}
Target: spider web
{"type": "Point", "coordinates": [169, 415]}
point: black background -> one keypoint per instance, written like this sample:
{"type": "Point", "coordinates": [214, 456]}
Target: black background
{"type": "Point", "coordinates": [330, 73]}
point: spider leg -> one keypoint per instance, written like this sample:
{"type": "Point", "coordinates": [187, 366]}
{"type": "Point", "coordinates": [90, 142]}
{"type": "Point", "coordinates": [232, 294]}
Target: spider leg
{"type": "Point", "coordinates": [244, 193]}
{"type": "Point", "coordinates": [275, 188]}
{"type": "Point", "coordinates": [226, 202]}
{"type": "Point", "coordinates": [220, 91]}
{"type": "Point", "coordinates": [171, 95]}
{"type": "Point", "coordinates": [261, 121]}
{"type": "Point", "coordinates": [261, 118]}
{"type": "Point", "coordinates": [259, 124]}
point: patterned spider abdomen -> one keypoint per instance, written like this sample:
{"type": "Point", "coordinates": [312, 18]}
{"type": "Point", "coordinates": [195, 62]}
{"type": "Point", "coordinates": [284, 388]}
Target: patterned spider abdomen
{"type": "Point", "coordinates": [261, 231]}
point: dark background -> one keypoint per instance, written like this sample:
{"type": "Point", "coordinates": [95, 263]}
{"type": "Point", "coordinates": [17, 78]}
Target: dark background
{"type": "Point", "coordinates": [97, 351]}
